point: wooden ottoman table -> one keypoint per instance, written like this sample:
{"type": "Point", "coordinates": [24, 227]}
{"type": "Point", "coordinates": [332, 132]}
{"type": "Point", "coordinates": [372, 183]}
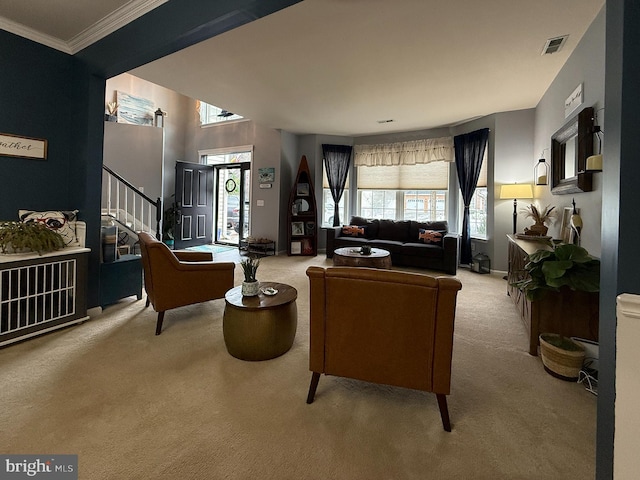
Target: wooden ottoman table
{"type": "Point", "coordinates": [351, 257]}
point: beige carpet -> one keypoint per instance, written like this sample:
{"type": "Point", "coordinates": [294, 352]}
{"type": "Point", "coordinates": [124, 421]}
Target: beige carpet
{"type": "Point", "coordinates": [178, 406]}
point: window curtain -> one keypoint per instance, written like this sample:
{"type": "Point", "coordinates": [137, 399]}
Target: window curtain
{"type": "Point", "coordinates": [469, 151]}
{"type": "Point", "coordinates": [405, 153]}
{"type": "Point", "coordinates": [336, 163]}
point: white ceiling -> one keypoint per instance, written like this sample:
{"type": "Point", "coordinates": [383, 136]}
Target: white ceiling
{"type": "Point", "coordinates": [340, 66]}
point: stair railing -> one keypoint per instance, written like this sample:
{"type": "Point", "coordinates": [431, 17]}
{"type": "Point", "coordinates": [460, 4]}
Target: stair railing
{"type": "Point", "coordinates": [128, 205]}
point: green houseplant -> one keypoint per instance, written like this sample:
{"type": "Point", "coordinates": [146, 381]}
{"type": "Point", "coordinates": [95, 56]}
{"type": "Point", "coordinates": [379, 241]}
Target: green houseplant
{"type": "Point", "coordinates": [566, 265]}
{"type": "Point", "coordinates": [19, 237]}
{"type": "Point", "coordinates": [250, 285]}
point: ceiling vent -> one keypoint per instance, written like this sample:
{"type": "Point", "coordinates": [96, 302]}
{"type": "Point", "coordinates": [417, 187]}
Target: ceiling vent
{"type": "Point", "coordinates": [554, 44]}
{"type": "Point", "coordinates": [385, 121]}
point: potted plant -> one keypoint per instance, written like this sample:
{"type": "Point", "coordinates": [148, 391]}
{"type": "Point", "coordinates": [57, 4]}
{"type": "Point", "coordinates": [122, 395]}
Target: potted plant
{"type": "Point", "coordinates": [21, 237]}
{"type": "Point", "coordinates": [250, 286]}
{"type": "Point", "coordinates": [566, 266]}
{"type": "Point", "coordinates": [540, 218]}
{"type": "Point", "coordinates": [169, 221]}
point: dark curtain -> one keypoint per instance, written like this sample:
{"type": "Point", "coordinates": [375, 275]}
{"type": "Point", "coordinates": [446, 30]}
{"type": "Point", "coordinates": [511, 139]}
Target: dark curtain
{"type": "Point", "coordinates": [469, 150]}
{"type": "Point", "coordinates": [336, 162]}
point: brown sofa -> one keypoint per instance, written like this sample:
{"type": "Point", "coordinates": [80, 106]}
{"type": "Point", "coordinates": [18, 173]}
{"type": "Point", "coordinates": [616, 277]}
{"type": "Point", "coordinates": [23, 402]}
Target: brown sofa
{"type": "Point", "coordinates": [381, 326]}
{"type": "Point", "coordinates": [175, 278]}
{"type": "Point", "coordinates": [404, 239]}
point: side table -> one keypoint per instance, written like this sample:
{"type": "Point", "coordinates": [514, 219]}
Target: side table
{"type": "Point", "coordinates": [260, 327]}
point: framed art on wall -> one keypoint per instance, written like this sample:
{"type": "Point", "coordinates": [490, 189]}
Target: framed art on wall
{"type": "Point", "coordinates": [22, 147]}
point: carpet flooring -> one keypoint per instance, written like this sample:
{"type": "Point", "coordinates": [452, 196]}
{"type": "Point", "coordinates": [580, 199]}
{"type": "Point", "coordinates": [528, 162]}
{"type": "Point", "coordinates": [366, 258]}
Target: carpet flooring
{"type": "Point", "coordinates": [133, 405]}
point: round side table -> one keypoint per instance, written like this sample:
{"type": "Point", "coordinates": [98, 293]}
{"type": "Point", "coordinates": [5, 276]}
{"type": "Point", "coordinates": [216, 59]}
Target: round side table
{"type": "Point", "coordinates": [260, 327]}
{"type": "Point", "coordinates": [351, 257]}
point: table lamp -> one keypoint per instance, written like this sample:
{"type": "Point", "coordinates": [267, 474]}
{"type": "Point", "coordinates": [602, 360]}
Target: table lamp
{"type": "Point", "coordinates": [516, 191]}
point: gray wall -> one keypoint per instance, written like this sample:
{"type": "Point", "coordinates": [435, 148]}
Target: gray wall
{"type": "Point", "coordinates": [265, 220]}
{"type": "Point", "coordinates": [587, 66]}
{"type": "Point", "coordinates": [135, 152]}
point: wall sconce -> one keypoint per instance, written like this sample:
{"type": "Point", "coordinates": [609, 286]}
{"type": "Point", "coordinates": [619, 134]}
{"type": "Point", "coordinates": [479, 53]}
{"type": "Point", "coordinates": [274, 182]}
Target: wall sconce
{"type": "Point", "coordinates": [515, 191]}
{"type": "Point", "coordinates": [541, 171]}
{"type": "Point", "coordinates": [159, 118]}
{"type": "Point", "coordinates": [594, 162]}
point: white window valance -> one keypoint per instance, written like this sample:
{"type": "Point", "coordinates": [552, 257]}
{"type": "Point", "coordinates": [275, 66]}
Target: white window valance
{"type": "Point", "coordinates": [405, 153]}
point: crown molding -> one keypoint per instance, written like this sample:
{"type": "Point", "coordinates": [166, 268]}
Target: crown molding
{"type": "Point", "coordinates": [31, 34]}
{"type": "Point", "coordinates": [112, 22]}
{"type": "Point", "coordinates": [107, 25]}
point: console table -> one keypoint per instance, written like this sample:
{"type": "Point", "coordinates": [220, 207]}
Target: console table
{"type": "Point", "coordinates": [41, 293]}
{"type": "Point", "coordinates": [567, 312]}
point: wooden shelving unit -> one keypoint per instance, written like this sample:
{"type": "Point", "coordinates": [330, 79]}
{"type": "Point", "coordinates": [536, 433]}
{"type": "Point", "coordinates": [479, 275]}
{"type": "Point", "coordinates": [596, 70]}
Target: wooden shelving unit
{"type": "Point", "coordinates": [302, 215]}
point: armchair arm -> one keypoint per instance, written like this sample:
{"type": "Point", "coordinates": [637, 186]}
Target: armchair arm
{"type": "Point", "coordinates": [190, 256]}
{"type": "Point", "coordinates": [316, 318]}
{"type": "Point", "coordinates": [450, 259]}
{"type": "Point", "coordinates": [332, 234]}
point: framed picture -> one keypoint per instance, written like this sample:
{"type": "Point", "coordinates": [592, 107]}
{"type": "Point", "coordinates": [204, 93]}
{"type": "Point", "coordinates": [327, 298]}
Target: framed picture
{"type": "Point", "coordinates": [296, 248]}
{"type": "Point", "coordinates": [134, 110]}
{"type": "Point", "coordinates": [23, 147]}
{"type": "Point", "coordinates": [307, 248]}
{"type": "Point", "coordinates": [566, 232]}
{"type": "Point", "coordinates": [302, 189]}
{"type": "Point", "coordinates": [310, 227]}
{"type": "Point", "coordinates": [297, 228]}
{"type": "Point", "coordinates": [266, 175]}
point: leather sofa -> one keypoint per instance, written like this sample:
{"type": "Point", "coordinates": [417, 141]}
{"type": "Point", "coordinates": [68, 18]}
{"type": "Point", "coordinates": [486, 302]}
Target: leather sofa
{"type": "Point", "coordinates": [383, 326]}
{"type": "Point", "coordinates": [411, 244]}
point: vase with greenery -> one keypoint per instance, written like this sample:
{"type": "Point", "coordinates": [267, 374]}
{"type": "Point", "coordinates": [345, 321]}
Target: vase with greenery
{"type": "Point", "coordinates": [250, 285]}
{"type": "Point", "coordinates": [540, 217]}
{"type": "Point", "coordinates": [21, 237]}
{"type": "Point", "coordinates": [565, 265]}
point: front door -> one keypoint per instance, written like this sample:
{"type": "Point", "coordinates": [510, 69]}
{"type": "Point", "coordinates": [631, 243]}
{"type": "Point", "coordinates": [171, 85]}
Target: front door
{"type": "Point", "coordinates": [232, 195]}
{"type": "Point", "coordinates": [194, 197]}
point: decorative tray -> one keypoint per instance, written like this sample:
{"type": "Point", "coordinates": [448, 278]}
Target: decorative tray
{"type": "Point", "coordinates": [524, 236]}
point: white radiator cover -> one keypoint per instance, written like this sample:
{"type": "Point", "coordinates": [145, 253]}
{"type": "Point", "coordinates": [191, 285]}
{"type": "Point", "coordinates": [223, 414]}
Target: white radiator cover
{"type": "Point", "coordinates": [626, 461]}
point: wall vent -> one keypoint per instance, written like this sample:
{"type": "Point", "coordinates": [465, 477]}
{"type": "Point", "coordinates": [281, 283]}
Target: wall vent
{"type": "Point", "coordinates": [554, 44]}
{"type": "Point", "coordinates": [385, 121]}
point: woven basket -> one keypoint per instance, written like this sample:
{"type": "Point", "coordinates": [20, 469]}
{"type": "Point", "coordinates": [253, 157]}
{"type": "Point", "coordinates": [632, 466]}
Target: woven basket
{"type": "Point", "coordinates": [561, 363]}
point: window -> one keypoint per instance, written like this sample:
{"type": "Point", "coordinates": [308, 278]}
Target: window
{"type": "Point", "coordinates": [478, 205]}
{"type": "Point", "coordinates": [327, 202]}
{"type": "Point", "coordinates": [404, 192]}
{"type": "Point", "coordinates": [210, 114]}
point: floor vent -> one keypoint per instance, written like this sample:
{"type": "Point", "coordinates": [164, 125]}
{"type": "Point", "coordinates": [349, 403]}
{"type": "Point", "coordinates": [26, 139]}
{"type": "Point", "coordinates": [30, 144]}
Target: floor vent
{"type": "Point", "coordinates": [554, 44]}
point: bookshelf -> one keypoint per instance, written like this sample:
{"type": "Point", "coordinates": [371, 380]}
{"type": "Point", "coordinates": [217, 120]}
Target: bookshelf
{"type": "Point", "coordinates": [302, 215]}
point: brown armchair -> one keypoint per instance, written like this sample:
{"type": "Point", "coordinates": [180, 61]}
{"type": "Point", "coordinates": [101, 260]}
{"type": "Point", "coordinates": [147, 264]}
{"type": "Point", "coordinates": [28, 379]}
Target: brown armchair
{"type": "Point", "coordinates": [177, 278]}
{"type": "Point", "coordinates": [380, 326]}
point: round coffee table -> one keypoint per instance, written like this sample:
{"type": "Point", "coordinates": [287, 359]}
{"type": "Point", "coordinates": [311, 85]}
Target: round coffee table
{"type": "Point", "coordinates": [260, 327]}
{"type": "Point", "coordinates": [351, 257]}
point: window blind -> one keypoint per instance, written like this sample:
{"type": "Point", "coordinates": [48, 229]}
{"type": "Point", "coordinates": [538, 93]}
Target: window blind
{"type": "Point", "coordinates": [427, 176]}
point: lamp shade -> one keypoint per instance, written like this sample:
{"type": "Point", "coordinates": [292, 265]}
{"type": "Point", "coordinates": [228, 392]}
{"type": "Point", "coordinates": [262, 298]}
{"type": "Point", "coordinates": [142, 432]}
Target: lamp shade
{"type": "Point", "coordinates": [516, 190]}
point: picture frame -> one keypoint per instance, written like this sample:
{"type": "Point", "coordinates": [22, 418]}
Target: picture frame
{"type": "Point", "coordinates": [266, 175]}
{"type": "Point", "coordinates": [566, 232]}
{"type": "Point", "coordinates": [22, 147]}
{"type": "Point", "coordinates": [310, 227]}
{"type": "Point", "coordinates": [296, 248]}
{"type": "Point", "coordinates": [297, 228]}
{"type": "Point", "coordinates": [302, 189]}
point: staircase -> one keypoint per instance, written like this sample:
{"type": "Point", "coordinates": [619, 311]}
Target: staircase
{"type": "Point", "coordinates": [128, 209]}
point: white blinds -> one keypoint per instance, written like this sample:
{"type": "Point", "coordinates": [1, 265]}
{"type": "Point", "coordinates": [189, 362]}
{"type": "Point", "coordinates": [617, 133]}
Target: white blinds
{"type": "Point", "coordinates": [405, 153]}
{"type": "Point", "coordinates": [430, 176]}
{"type": "Point", "coordinates": [482, 179]}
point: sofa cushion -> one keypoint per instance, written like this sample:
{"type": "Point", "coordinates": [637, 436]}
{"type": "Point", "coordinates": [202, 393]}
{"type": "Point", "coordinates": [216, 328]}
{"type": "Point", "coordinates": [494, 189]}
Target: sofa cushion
{"type": "Point", "coordinates": [421, 250]}
{"type": "Point", "coordinates": [354, 230]}
{"type": "Point", "coordinates": [62, 222]}
{"type": "Point", "coordinates": [432, 237]}
{"type": "Point", "coordinates": [397, 230]}
{"type": "Point", "coordinates": [439, 226]}
{"type": "Point", "coordinates": [371, 224]}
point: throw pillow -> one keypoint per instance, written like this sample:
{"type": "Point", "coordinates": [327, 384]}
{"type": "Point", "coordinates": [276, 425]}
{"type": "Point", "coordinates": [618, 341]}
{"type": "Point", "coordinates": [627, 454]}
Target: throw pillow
{"type": "Point", "coordinates": [62, 222]}
{"type": "Point", "coordinates": [353, 230]}
{"type": "Point", "coordinates": [429, 236]}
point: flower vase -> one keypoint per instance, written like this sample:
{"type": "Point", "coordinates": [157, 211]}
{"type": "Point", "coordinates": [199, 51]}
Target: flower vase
{"type": "Point", "coordinates": [250, 289]}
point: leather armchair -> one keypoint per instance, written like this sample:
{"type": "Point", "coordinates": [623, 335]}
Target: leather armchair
{"type": "Point", "coordinates": [388, 327]}
{"type": "Point", "coordinates": [177, 278]}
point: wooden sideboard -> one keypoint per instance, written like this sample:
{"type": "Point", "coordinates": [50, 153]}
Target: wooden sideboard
{"type": "Point", "coordinates": [567, 312]}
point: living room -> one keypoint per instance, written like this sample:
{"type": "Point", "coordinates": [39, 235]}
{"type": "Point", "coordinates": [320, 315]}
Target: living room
{"type": "Point", "coordinates": [72, 176]}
